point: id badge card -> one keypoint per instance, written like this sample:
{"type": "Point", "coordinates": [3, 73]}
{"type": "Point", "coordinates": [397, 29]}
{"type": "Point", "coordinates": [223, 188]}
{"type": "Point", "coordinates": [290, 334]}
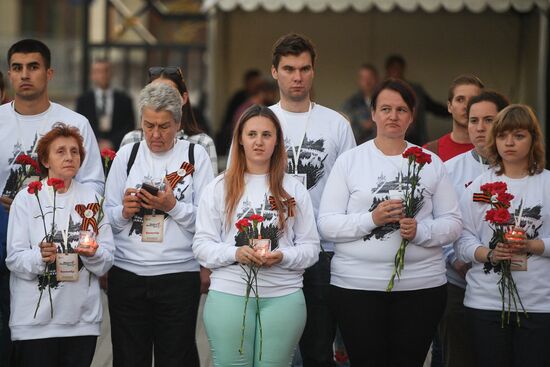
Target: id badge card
{"type": "Point", "coordinates": [519, 262]}
{"type": "Point", "coordinates": [302, 177]}
{"type": "Point", "coordinates": [67, 267]}
{"type": "Point", "coordinates": [153, 228]}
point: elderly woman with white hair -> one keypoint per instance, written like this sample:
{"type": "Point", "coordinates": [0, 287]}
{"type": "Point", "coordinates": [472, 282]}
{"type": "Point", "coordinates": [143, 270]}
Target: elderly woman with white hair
{"type": "Point", "coordinates": [151, 198]}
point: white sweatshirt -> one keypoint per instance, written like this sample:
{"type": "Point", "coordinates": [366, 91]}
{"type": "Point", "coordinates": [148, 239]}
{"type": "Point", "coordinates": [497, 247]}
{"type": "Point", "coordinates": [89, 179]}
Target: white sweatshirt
{"type": "Point", "coordinates": [534, 284]}
{"type": "Point", "coordinates": [22, 132]}
{"type": "Point", "coordinates": [323, 137]}
{"type": "Point", "coordinates": [76, 305]}
{"type": "Point", "coordinates": [462, 171]}
{"type": "Point", "coordinates": [359, 181]}
{"type": "Point", "coordinates": [215, 240]}
{"type": "Point", "coordinates": [173, 254]}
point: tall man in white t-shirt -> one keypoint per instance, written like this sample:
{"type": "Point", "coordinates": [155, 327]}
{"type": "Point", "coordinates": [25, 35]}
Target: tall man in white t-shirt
{"type": "Point", "coordinates": [314, 137]}
{"type": "Point", "coordinates": [29, 116]}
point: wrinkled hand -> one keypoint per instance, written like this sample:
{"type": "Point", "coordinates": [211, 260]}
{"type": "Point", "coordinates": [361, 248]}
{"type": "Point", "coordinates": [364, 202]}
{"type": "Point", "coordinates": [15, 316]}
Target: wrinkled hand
{"type": "Point", "coordinates": [407, 228]}
{"type": "Point", "coordinates": [272, 258]}
{"type": "Point", "coordinates": [131, 204]}
{"type": "Point", "coordinates": [518, 247]}
{"type": "Point", "coordinates": [48, 250]}
{"type": "Point", "coordinates": [247, 255]}
{"type": "Point", "coordinates": [164, 200]}
{"type": "Point", "coordinates": [388, 211]}
{"type": "Point", "coordinates": [87, 251]}
{"type": "Point", "coordinates": [6, 202]}
{"type": "Point", "coordinates": [205, 279]}
{"type": "Point", "coordinates": [461, 267]}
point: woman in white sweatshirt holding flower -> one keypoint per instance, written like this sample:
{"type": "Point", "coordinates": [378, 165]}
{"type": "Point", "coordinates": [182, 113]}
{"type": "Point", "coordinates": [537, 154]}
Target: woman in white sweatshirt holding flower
{"type": "Point", "coordinates": [55, 302]}
{"type": "Point", "coordinates": [255, 199]}
{"type": "Point", "coordinates": [502, 334]}
{"type": "Point", "coordinates": [387, 315]}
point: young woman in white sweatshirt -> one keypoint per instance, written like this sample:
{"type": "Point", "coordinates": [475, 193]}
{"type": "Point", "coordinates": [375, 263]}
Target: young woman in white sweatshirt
{"type": "Point", "coordinates": [256, 183]}
{"type": "Point", "coordinates": [382, 328]}
{"type": "Point", "coordinates": [516, 151]}
{"type": "Point", "coordinates": [62, 333]}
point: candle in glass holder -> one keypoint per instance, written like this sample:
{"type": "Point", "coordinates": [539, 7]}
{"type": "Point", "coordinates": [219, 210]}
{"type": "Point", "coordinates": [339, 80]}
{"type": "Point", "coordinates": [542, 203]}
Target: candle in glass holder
{"type": "Point", "coordinates": [513, 235]}
{"type": "Point", "coordinates": [87, 239]}
{"type": "Point", "coordinates": [262, 246]}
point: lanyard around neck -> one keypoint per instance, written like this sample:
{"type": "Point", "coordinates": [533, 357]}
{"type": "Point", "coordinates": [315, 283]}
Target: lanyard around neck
{"type": "Point", "coordinates": [296, 152]}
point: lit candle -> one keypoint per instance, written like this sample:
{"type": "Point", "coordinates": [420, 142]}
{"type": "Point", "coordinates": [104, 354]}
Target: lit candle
{"type": "Point", "coordinates": [262, 246]}
{"type": "Point", "coordinates": [87, 238]}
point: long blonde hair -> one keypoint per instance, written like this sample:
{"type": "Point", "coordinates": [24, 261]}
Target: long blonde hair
{"type": "Point", "coordinates": [234, 176]}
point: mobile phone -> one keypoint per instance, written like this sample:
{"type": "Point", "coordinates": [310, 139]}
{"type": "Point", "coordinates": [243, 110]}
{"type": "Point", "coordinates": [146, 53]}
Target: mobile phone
{"type": "Point", "coordinates": [150, 189]}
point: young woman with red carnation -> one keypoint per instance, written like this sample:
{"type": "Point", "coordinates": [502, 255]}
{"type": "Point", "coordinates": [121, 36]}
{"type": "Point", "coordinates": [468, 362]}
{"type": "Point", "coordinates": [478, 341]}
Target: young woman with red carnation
{"type": "Point", "coordinates": [367, 223]}
{"type": "Point", "coordinates": [63, 330]}
{"type": "Point", "coordinates": [516, 152]}
{"type": "Point", "coordinates": [256, 185]}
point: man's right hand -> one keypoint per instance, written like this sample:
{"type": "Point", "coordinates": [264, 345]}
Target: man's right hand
{"type": "Point", "coordinates": [131, 203]}
{"type": "Point", "coordinates": [6, 202]}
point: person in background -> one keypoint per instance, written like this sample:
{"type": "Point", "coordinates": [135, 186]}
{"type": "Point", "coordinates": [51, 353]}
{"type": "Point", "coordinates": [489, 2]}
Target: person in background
{"type": "Point", "coordinates": [516, 151]}
{"type": "Point", "coordinates": [68, 314]}
{"type": "Point", "coordinates": [3, 94]}
{"type": "Point", "coordinates": [152, 193]}
{"type": "Point", "coordinates": [190, 131]}
{"type": "Point", "coordinates": [454, 334]}
{"type": "Point", "coordinates": [462, 89]}
{"type": "Point", "coordinates": [5, 339]}
{"type": "Point", "coordinates": [418, 133]}
{"type": "Point", "coordinates": [314, 137]}
{"type": "Point", "coordinates": [265, 94]}
{"type": "Point", "coordinates": [251, 79]}
{"type": "Point", "coordinates": [256, 184]}
{"type": "Point", "coordinates": [109, 111]}
{"type": "Point", "coordinates": [366, 224]}
{"type": "Point", "coordinates": [357, 107]}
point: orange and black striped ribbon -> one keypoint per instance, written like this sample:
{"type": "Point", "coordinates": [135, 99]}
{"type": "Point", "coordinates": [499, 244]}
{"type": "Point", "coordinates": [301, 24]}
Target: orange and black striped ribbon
{"type": "Point", "coordinates": [173, 178]}
{"type": "Point", "coordinates": [486, 198]}
{"type": "Point", "coordinates": [290, 204]}
{"type": "Point", "coordinates": [86, 222]}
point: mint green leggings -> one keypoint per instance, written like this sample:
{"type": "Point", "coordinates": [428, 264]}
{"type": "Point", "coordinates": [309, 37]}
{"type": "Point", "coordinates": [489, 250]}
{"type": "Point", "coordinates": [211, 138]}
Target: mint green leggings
{"type": "Point", "coordinates": [283, 320]}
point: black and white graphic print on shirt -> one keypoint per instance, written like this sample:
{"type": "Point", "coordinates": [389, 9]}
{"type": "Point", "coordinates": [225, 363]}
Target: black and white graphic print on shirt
{"type": "Point", "coordinates": [269, 228]}
{"type": "Point", "coordinates": [16, 170]}
{"type": "Point", "coordinates": [311, 159]}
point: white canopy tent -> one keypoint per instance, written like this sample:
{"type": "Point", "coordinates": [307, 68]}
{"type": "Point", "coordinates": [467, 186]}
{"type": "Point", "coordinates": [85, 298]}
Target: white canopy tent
{"type": "Point", "coordinates": [505, 42]}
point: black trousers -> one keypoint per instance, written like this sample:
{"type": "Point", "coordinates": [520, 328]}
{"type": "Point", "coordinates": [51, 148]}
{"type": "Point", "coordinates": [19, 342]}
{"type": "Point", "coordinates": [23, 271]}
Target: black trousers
{"type": "Point", "coordinates": [74, 351]}
{"type": "Point", "coordinates": [5, 338]}
{"type": "Point", "coordinates": [527, 345]}
{"type": "Point", "coordinates": [383, 329]}
{"type": "Point", "coordinates": [153, 313]}
{"type": "Point", "coordinates": [316, 344]}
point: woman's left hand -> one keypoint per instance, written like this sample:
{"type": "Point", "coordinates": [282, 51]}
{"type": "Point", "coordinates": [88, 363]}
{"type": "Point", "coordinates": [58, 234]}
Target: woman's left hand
{"type": "Point", "coordinates": [87, 251]}
{"type": "Point", "coordinates": [407, 228]}
{"type": "Point", "coordinates": [272, 258]}
{"type": "Point", "coordinates": [164, 200]}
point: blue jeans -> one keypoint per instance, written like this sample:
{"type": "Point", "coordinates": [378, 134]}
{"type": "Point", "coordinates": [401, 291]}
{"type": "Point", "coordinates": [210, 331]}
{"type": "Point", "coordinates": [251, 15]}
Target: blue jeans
{"type": "Point", "coordinates": [316, 345]}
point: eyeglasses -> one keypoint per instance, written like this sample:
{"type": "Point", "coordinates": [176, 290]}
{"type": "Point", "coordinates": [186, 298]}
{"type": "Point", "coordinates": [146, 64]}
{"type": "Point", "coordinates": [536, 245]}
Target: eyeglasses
{"type": "Point", "coordinates": [156, 71]}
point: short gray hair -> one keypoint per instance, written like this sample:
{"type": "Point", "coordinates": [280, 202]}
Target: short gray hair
{"type": "Point", "coordinates": [161, 97]}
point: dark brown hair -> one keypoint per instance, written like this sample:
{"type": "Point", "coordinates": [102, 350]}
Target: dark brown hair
{"type": "Point", "coordinates": [59, 129]}
{"type": "Point", "coordinates": [488, 96]}
{"type": "Point", "coordinates": [234, 176]}
{"type": "Point", "coordinates": [463, 79]}
{"type": "Point", "coordinates": [292, 44]}
{"type": "Point", "coordinates": [515, 117]}
{"type": "Point", "coordinates": [397, 85]}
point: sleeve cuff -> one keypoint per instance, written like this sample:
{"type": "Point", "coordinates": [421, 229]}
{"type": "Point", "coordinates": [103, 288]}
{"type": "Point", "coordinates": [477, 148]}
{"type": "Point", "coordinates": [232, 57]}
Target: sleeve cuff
{"type": "Point", "coordinates": [117, 219]}
{"type": "Point", "coordinates": [471, 254]}
{"type": "Point", "coordinates": [421, 234]}
{"type": "Point", "coordinates": [546, 251]}
{"type": "Point", "coordinates": [230, 253]}
{"type": "Point", "coordinates": [368, 223]}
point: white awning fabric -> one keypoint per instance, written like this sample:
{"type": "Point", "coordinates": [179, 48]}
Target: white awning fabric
{"type": "Point", "coordinates": [475, 6]}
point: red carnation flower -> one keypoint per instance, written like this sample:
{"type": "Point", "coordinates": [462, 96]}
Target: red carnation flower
{"type": "Point", "coordinates": [107, 153]}
{"type": "Point", "coordinates": [34, 187]}
{"type": "Point", "coordinates": [56, 183]}
{"type": "Point", "coordinates": [412, 151]}
{"type": "Point", "coordinates": [256, 218]}
{"type": "Point", "coordinates": [423, 158]}
{"type": "Point", "coordinates": [23, 159]}
{"type": "Point", "coordinates": [501, 216]}
{"type": "Point", "coordinates": [494, 188]}
{"type": "Point", "coordinates": [242, 224]}
{"type": "Point", "coordinates": [490, 215]}
{"type": "Point", "coordinates": [505, 198]}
